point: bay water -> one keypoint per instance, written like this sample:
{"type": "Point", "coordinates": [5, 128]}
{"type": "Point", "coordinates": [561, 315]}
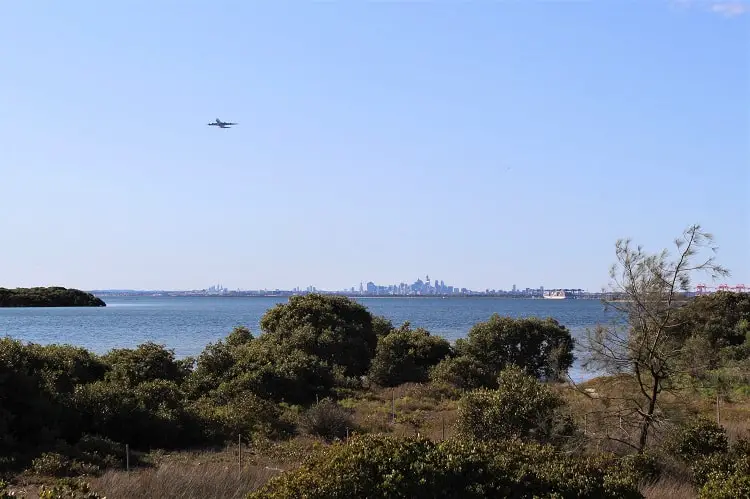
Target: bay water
{"type": "Point", "coordinates": [188, 324]}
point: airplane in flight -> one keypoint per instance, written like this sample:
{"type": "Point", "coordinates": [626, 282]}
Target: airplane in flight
{"type": "Point", "coordinates": [221, 124]}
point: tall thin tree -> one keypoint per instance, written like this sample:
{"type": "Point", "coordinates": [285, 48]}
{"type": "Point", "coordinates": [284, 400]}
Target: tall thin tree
{"type": "Point", "coordinates": [646, 346]}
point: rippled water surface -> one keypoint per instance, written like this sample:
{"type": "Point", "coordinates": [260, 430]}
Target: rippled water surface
{"type": "Point", "coordinates": [187, 324]}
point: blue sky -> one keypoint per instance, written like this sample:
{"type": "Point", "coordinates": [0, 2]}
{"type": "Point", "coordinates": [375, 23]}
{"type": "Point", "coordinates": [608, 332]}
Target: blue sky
{"type": "Point", "coordinates": [485, 143]}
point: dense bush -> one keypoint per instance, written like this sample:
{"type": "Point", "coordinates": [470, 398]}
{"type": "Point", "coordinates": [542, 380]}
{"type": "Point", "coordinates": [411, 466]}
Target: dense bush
{"type": "Point", "coordinates": [520, 408]}
{"type": "Point", "coordinates": [731, 481]}
{"type": "Point", "coordinates": [68, 489]}
{"type": "Point", "coordinates": [462, 372]}
{"type": "Point", "coordinates": [406, 355]}
{"type": "Point", "coordinates": [328, 420]}
{"type": "Point", "coordinates": [720, 466]}
{"type": "Point", "coordinates": [272, 371]}
{"type": "Point", "coordinates": [378, 466]}
{"type": "Point", "coordinates": [700, 437]}
{"type": "Point", "coordinates": [542, 348]}
{"type": "Point", "coordinates": [334, 328]}
{"type": "Point", "coordinates": [147, 362]}
{"type": "Point", "coordinates": [715, 329]}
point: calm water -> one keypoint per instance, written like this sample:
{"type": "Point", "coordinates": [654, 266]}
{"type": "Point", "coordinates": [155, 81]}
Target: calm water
{"type": "Point", "coordinates": [187, 324]}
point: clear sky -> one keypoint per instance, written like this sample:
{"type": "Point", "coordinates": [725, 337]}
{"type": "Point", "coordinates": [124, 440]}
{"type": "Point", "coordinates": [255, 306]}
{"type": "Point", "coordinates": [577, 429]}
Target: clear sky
{"type": "Point", "coordinates": [484, 143]}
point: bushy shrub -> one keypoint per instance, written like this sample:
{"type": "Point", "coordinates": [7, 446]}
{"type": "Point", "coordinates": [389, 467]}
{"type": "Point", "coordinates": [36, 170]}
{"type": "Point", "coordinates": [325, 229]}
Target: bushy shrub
{"type": "Point", "coordinates": [328, 420]}
{"type": "Point", "coordinates": [58, 465]}
{"type": "Point", "coordinates": [4, 494]}
{"type": "Point", "coordinates": [719, 467]}
{"type": "Point", "coordinates": [379, 466]}
{"type": "Point", "coordinates": [381, 326]}
{"type": "Point", "coordinates": [406, 355]}
{"type": "Point", "coordinates": [698, 438]}
{"type": "Point", "coordinates": [245, 414]}
{"type": "Point", "coordinates": [641, 468]}
{"type": "Point", "coordinates": [272, 371]}
{"type": "Point", "coordinates": [520, 408]}
{"type": "Point", "coordinates": [462, 372]}
{"type": "Point", "coordinates": [541, 347]}
{"type": "Point", "coordinates": [68, 489]}
{"type": "Point", "coordinates": [147, 362]}
{"type": "Point", "coordinates": [335, 329]}
{"type": "Point", "coordinates": [733, 487]}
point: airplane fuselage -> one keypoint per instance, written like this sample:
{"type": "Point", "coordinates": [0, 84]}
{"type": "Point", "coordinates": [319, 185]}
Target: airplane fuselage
{"type": "Point", "coordinates": [221, 124]}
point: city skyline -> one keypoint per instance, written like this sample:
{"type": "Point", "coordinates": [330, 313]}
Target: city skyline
{"type": "Point", "coordinates": [419, 287]}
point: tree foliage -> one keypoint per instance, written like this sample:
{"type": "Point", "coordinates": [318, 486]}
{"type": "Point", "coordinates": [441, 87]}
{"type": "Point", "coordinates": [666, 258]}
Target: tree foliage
{"type": "Point", "coordinates": [520, 408]}
{"type": "Point", "coordinates": [462, 372]}
{"type": "Point", "coordinates": [334, 328]}
{"type": "Point", "coordinates": [650, 346]}
{"type": "Point", "coordinates": [543, 348]}
{"type": "Point", "coordinates": [406, 355]}
{"type": "Point", "coordinates": [378, 466]}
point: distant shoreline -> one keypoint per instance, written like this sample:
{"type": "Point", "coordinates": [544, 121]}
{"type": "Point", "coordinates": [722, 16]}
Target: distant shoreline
{"type": "Point", "coordinates": [48, 297]}
{"type": "Point", "coordinates": [172, 294]}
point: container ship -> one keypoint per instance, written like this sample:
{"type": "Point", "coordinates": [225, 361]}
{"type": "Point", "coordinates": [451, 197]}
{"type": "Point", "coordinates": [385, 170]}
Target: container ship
{"type": "Point", "coordinates": [557, 294]}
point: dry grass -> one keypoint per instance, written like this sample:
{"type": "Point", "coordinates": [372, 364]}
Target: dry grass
{"type": "Point", "coordinates": [175, 480]}
{"type": "Point", "coordinates": [669, 488]}
{"type": "Point", "coordinates": [422, 409]}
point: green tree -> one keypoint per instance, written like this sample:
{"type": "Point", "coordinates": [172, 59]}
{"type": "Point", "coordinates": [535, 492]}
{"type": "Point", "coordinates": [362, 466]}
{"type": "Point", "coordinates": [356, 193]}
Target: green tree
{"type": "Point", "coordinates": [648, 347]}
{"type": "Point", "coordinates": [541, 347]}
{"type": "Point", "coordinates": [147, 362]}
{"type": "Point", "coordinates": [715, 329]}
{"type": "Point", "coordinates": [273, 371]}
{"type": "Point", "coordinates": [333, 328]}
{"type": "Point", "coordinates": [407, 355]}
{"type": "Point", "coordinates": [215, 365]}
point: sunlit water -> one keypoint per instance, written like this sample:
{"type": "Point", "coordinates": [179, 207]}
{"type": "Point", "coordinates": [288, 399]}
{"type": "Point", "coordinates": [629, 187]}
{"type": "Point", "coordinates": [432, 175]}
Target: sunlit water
{"type": "Point", "coordinates": [187, 324]}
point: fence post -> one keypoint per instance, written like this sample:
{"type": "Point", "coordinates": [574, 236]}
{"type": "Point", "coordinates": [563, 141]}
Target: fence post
{"type": "Point", "coordinates": [239, 455]}
{"type": "Point", "coordinates": [127, 457]}
{"type": "Point", "coordinates": [393, 404]}
{"type": "Point", "coordinates": [718, 410]}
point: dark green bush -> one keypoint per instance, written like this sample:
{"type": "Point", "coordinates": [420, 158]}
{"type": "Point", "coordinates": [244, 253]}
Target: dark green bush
{"type": "Point", "coordinates": [57, 465]}
{"type": "Point", "coordinates": [68, 488]}
{"type": "Point", "coordinates": [520, 408]}
{"type": "Point", "coordinates": [541, 347]}
{"type": "Point", "coordinates": [147, 362]}
{"type": "Point", "coordinates": [328, 420]}
{"type": "Point", "coordinates": [406, 355]}
{"type": "Point", "coordinates": [379, 466]}
{"type": "Point", "coordinates": [641, 468]}
{"type": "Point", "coordinates": [719, 467]}
{"type": "Point", "coordinates": [272, 371]}
{"type": "Point", "coordinates": [335, 329]}
{"type": "Point", "coordinates": [698, 438]}
{"type": "Point", "coordinates": [462, 372]}
{"type": "Point", "coordinates": [733, 483]}
{"type": "Point", "coordinates": [245, 414]}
